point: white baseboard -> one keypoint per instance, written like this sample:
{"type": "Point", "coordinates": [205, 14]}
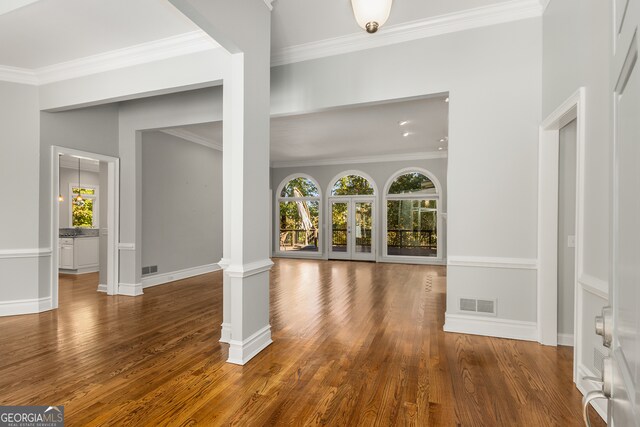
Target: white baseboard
{"type": "Point", "coordinates": [240, 352]}
{"type": "Point", "coordinates": [102, 288]}
{"type": "Point", "coordinates": [412, 260]}
{"type": "Point", "coordinates": [565, 339]}
{"type": "Point", "coordinates": [160, 279]}
{"type": "Point", "coordinates": [600, 405]}
{"type": "Point", "coordinates": [25, 306]}
{"type": "Point", "coordinates": [80, 270]}
{"type": "Point", "coordinates": [491, 326]}
{"type": "Point", "coordinates": [225, 333]}
{"type": "Point", "coordinates": [130, 289]}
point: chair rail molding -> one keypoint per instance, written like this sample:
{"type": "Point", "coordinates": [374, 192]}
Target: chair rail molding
{"type": "Point", "coordinates": [493, 262]}
{"type": "Point", "coordinates": [25, 253]}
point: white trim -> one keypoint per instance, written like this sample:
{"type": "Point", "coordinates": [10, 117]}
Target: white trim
{"type": "Point", "coordinates": [565, 339]}
{"type": "Point", "coordinates": [77, 271]}
{"type": "Point", "coordinates": [157, 50]}
{"type": "Point", "coordinates": [113, 216]}
{"type": "Point", "coordinates": [193, 137]}
{"type": "Point", "coordinates": [544, 4]}
{"type": "Point", "coordinates": [25, 253]}
{"type": "Point", "coordinates": [250, 269]}
{"type": "Point", "coordinates": [240, 352]}
{"type": "Point", "coordinates": [25, 306]}
{"type": "Point", "coordinates": [7, 6]}
{"type": "Point", "coordinates": [493, 262]}
{"type": "Point", "coordinates": [130, 289]}
{"type": "Point", "coordinates": [159, 279]}
{"type": "Point", "coordinates": [127, 246]}
{"type": "Point", "coordinates": [225, 332]}
{"type": "Point", "coordinates": [68, 163]}
{"type": "Point", "coordinates": [434, 26]}
{"type": "Point", "coordinates": [585, 386]}
{"type": "Point", "coordinates": [548, 175]}
{"type": "Point", "coordinates": [102, 288]}
{"type": "Point", "coordinates": [492, 327]}
{"type": "Point", "coordinates": [429, 155]}
{"type": "Point", "coordinates": [269, 4]}
{"type": "Point", "coordinates": [594, 285]}
{"type": "Point", "coordinates": [300, 254]}
{"type": "Point", "coordinates": [18, 75]}
{"type": "Point", "coordinates": [399, 259]}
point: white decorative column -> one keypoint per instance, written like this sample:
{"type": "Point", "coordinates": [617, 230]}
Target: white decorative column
{"type": "Point", "coordinates": [243, 28]}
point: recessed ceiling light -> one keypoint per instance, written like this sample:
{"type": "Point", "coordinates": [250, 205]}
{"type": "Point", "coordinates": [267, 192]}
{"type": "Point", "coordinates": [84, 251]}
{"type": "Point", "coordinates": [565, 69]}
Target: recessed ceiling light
{"type": "Point", "coordinates": [403, 122]}
{"type": "Point", "coordinates": [446, 99]}
{"type": "Point", "coordinates": [440, 148]}
{"type": "Point", "coordinates": [405, 134]}
{"type": "Point", "coordinates": [442, 139]}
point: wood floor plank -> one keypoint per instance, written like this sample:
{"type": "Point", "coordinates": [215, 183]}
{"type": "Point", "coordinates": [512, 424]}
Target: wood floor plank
{"type": "Point", "coordinates": [355, 344]}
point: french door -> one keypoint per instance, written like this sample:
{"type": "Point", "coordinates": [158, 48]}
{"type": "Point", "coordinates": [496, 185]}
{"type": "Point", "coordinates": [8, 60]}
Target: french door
{"type": "Point", "coordinates": [352, 234]}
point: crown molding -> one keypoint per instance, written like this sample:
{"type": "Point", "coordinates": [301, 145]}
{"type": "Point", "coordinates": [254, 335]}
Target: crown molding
{"type": "Point", "coordinates": [157, 50]}
{"type": "Point", "coordinates": [84, 166]}
{"type": "Point", "coordinates": [544, 4]}
{"type": "Point", "coordinates": [18, 75]}
{"type": "Point", "coordinates": [7, 6]}
{"type": "Point", "coordinates": [193, 137]}
{"type": "Point", "coordinates": [365, 159]}
{"type": "Point", "coordinates": [269, 4]}
{"type": "Point", "coordinates": [170, 47]}
{"type": "Point", "coordinates": [459, 21]}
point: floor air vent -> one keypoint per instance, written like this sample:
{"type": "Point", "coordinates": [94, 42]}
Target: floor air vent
{"type": "Point", "coordinates": [483, 306]}
{"type": "Point", "coordinates": [598, 361]}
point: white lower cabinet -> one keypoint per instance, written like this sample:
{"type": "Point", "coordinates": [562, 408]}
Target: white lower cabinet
{"type": "Point", "coordinates": [80, 254]}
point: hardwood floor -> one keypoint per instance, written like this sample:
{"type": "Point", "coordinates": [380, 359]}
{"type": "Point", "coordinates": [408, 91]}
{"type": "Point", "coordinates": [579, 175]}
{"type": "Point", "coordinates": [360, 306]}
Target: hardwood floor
{"type": "Point", "coordinates": [354, 344]}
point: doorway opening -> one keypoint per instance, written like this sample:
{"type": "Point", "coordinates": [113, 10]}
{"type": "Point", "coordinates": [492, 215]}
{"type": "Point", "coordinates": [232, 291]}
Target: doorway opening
{"type": "Point", "coordinates": [84, 217]}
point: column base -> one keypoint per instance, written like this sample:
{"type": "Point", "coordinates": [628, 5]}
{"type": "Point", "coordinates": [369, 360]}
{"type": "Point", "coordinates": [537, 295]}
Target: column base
{"type": "Point", "coordinates": [225, 333]}
{"type": "Point", "coordinates": [130, 289]}
{"type": "Point", "coordinates": [240, 352]}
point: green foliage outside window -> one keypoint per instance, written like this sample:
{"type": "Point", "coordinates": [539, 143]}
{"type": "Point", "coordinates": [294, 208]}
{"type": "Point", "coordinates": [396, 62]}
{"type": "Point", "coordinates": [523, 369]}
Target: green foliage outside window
{"type": "Point", "coordinates": [82, 215]}
{"type": "Point", "coordinates": [352, 185]}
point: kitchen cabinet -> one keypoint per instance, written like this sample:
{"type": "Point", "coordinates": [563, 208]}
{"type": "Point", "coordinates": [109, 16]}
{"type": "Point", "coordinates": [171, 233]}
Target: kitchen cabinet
{"type": "Point", "coordinates": [78, 255]}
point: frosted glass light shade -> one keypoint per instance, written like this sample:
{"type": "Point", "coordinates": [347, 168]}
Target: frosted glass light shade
{"type": "Point", "coordinates": [371, 14]}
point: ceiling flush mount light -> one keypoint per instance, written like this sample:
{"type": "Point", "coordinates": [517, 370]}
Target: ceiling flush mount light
{"type": "Point", "coordinates": [446, 99]}
{"type": "Point", "coordinates": [406, 134]}
{"type": "Point", "coordinates": [403, 122]}
{"type": "Point", "coordinates": [371, 14]}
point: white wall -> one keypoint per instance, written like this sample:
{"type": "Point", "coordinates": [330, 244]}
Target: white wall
{"type": "Point", "coordinates": [20, 249]}
{"type": "Point", "coordinates": [181, 203]}
{"type": "Point", "coordinates": [70, 176]}
{"type": "Point", "coordinates": [493, 76]}
{"type": "Point", "coordinates": [379, 172]}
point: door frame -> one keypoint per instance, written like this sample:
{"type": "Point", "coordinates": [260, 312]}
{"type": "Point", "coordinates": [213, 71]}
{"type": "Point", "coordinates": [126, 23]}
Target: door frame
{"type": "Point", "coordinates": [113, 216]}
{"type": "Point", "coordinates": [351, 202]}
{"type": "Point", "coordinates": [548, 170]}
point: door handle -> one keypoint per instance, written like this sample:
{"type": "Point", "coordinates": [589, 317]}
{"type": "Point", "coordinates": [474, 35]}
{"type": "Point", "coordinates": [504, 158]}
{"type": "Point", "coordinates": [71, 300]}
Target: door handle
{"type": "Point", "coordinates": [586, 401]}
{"type": "Point", "coordinates": [604, 326]}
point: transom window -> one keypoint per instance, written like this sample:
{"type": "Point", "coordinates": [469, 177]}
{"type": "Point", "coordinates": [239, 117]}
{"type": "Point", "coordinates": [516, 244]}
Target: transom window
{"type": "Point", "coordinates": [352, 185]}
{"type": "Point", "coordinates": [412, 216]}
{"type": "Point", "coordinates": [299, 216]}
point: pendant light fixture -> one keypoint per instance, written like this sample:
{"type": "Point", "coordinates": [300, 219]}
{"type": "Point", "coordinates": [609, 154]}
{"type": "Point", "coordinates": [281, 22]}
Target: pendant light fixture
{"type": "Point", "coordinates": [79, 201]}
{"type": "Point", "coordinates": [371, 14]}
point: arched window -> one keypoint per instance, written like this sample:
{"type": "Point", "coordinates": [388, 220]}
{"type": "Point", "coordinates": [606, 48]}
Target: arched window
{"type": "Point", "coordinates": [352, 185]}
{"type": "Point", "coordinates": [298, 215]}
{"type": "Point", "coordinates": [412, 214]}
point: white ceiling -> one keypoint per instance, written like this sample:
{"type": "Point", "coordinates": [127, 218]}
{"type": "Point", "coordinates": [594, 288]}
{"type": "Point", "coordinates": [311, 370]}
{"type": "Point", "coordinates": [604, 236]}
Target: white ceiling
{"type": "Point", "coordinates": [86, 164]}
{"type": "Point", "coordinates": [351, 132]}
{"type": "Point", "coordinates": [49, 32]}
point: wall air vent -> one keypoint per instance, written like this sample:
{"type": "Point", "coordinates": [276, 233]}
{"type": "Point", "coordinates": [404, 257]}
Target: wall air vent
{"type": "Point", "coordinates": [481, 306]}
{"type": "Point", "coordinates": [149, 270]}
